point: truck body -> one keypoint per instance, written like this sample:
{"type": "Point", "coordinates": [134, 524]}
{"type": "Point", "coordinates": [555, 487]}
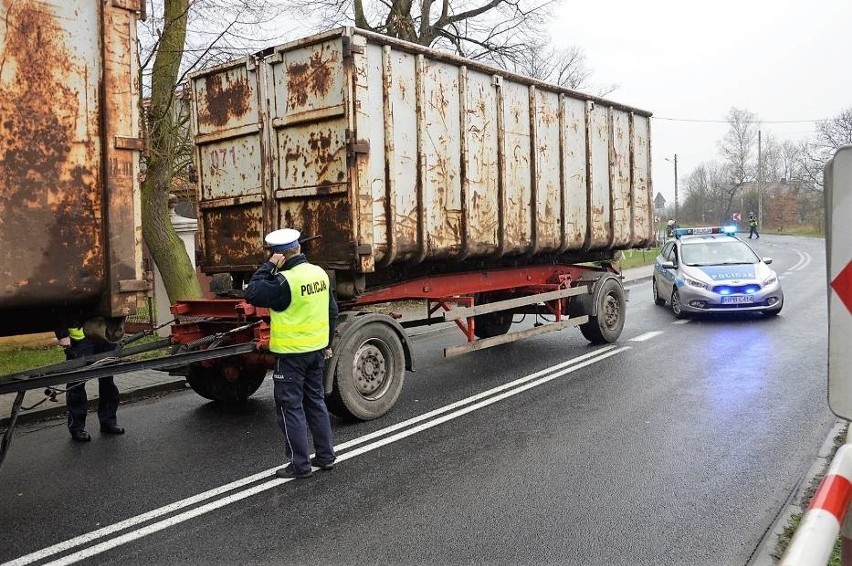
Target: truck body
{"type": "Point", "coordinates": [407, 161]}
{"type": "Point", "coordinates": [70, 228]}
{"type": "Point", "coordinates": [411, 174]}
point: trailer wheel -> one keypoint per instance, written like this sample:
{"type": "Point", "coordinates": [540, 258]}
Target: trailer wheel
{"type": "Point", "coordinates": [227, 380]}
{"type": "Point", "coordinates": [607, 324]}
{"type": "Point", "coordinates": [369, 374]}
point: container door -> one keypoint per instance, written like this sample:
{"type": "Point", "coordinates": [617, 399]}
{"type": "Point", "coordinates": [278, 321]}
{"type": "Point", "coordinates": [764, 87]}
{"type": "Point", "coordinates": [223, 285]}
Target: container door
{"type": "Point", "coordinates": [230, 162]}
{"type": "Point", "coordinates": [309, 94]}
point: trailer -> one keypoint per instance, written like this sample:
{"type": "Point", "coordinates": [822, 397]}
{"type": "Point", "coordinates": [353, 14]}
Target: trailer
{"type": "Point", "coordinates": [414, 175]}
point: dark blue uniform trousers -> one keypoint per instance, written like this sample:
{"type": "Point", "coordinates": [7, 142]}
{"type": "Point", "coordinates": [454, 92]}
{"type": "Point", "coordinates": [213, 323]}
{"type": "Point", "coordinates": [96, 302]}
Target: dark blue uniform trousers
{"type": "Point", "coordinates": [300, 404]}
{"type": "Point", "coordinates": [76, 398]}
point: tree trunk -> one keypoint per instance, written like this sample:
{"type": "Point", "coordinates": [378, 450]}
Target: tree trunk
{"type": "Point", "coordinates": [159, 234]}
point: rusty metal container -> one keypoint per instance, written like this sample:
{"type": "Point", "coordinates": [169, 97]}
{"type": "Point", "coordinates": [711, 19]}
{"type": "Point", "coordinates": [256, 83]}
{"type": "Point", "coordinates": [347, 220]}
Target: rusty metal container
{"type": "Point", "coordinates": [407, 160]}
{"type": "Point", "coordinates": [70, 228]}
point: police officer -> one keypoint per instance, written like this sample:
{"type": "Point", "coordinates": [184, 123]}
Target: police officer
{"type": "Point", "coordinates": [78, 345]}
{"type": "Point", "coordinates": [302, 317]}
{"type": "Point", "coordinates": [752, 226]}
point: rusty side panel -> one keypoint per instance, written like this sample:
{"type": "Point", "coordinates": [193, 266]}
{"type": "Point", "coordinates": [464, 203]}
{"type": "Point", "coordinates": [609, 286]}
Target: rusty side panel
{"type": "Point", "coordinates": [225, 98]}
{"type": "Point", "coordinates": [599, 186]}
{"type": "Point", "coordinates": [517, 223]}
{"type": "Point", "coordinates": [481, 167]}
{"type": "Point", "coordinates": [51, 244]}
{"type": "Point", "coordinates": [310, 82]}
{"type": "Point", "coordinates": [441, 186]}
{"type": "Point", "coordinates": [548, 218]}
{"type": "Point", "coordinates": [123, 219]}
{"type": "Point", "coordinates": [402, 169]}
{"type": "Point", "coordinates": [329, 216]}
{"type": "Point", "coordinates": [621, 197]}
{"type": "Point", "coordinates": [308, 117]}
{"type": "Point", "coordinates": [369, 169]}
{"type": "Point", "coordinates": [642, 191]}
{"type": "Point", "coordinates": [574, 173]}
{"type": "Point", "coordinates": [233, 236]}
{"type": "Point", "coordinates": [230, 164]}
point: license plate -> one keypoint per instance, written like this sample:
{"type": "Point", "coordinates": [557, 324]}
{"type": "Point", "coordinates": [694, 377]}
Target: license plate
{"type": "Point", "coordinates": [737, 299]}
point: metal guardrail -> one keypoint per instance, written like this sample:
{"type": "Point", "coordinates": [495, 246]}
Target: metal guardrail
{"type": "Point", "coordinates": [813, 542]}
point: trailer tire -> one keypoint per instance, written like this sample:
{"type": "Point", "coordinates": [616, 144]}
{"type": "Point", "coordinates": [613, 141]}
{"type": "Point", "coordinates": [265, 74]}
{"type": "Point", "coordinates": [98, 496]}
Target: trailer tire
{"type": "Point", "coordinates": [211, 381]}
{"type": "Point", "coordinates": [369, 374]}
{"type": "Point", "coordinates": [606, 326]}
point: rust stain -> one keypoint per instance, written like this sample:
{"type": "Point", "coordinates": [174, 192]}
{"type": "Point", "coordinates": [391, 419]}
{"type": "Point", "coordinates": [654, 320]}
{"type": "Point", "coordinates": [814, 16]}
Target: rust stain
{"type": "Point", "coordinates": [50, 193]}
{"type": "Point", "coordinates": [233, 98]}
{"type": "Point", "coordinates": [313, 77]}
{"type": "Point", "coordinates": [234, 236]}
{"type": "Point", "coordinates": [312, 163]}
{"type": "Point", "coordinates": [327, 217]}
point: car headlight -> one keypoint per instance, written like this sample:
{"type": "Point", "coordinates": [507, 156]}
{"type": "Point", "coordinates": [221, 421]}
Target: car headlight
{"type": "Point", "coordinates": [695, 283]}
{"type": "Point", "coordinates": [773, 279]}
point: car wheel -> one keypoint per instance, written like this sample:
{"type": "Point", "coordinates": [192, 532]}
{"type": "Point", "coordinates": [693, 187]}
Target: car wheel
{"type": "Point", "coordinates": [677, 308]}
{"type": "Point", "coordinates": [658, 300]}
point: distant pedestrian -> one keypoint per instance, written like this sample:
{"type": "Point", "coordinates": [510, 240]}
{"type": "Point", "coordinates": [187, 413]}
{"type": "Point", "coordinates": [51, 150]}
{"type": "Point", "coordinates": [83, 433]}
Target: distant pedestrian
{"type": "Point", "coordinates": [77, 345]}
{"type": "Point", "coordinates": [303, 313]}
{"type": "Point", "coordinates": [752, 226]}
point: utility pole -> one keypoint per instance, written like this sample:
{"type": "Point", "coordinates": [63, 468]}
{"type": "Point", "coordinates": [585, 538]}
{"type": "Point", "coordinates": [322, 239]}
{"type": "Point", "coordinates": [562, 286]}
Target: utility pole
{"type": "Point", "coordinates": [675, 165]}
{"type": "Point", "coordinates": [675, 171]}
{"type": "Point", "coordinates": [759, 181]}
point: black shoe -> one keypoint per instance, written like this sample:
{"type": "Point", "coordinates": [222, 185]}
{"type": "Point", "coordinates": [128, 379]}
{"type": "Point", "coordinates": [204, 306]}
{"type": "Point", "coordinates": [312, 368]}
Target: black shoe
{"type": "Point", "coordinates": [289, 472]}
{"type": "Point", "coordinates": [112, 429]}
{"type": "Point", "coordinates": [325, 466]}
{"type": "Point", "coordinates": [80, 436]}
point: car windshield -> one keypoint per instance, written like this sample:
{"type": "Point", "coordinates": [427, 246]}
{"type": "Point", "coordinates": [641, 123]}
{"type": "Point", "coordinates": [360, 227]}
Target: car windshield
{"type": "Point", "coordinates": [722, 252]}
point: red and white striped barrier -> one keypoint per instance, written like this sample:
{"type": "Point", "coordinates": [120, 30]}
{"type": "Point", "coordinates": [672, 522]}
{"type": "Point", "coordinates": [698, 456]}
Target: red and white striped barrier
{"type": "Point", "coordinates": [814, 539]}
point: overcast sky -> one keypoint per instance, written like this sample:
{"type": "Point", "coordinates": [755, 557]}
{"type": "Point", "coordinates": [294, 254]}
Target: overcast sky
{"type": "Point", "coordinates": [781, 59]}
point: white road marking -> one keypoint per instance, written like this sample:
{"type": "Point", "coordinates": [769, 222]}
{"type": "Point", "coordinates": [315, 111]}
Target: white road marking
{"type": "Point", "coordinates": [507, 390]}
{"type": "Point", "coordinates": [646, 336]}
{"type": "Point", "coordinates": [804, 261]}
{"type": "Point", "coordinates": [681, 321]}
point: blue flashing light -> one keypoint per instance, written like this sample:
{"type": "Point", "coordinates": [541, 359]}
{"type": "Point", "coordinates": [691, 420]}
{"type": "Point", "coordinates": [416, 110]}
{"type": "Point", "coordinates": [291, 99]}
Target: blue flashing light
{"type": "Point", "coordinates": [704, 230]}
{"type": "Point", "coordinates": [724, 291]}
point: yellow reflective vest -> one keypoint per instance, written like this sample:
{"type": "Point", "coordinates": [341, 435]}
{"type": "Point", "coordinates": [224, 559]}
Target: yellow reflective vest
{"type": "Point", "coordinates": [303, 326]}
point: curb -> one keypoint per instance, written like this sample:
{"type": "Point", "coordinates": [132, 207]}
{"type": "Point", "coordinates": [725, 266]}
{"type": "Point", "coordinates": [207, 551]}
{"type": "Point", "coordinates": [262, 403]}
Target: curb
{"type": "Point", "coordinates": [763, 554]}
{"type": "Point", "coordinates": [637, 280]}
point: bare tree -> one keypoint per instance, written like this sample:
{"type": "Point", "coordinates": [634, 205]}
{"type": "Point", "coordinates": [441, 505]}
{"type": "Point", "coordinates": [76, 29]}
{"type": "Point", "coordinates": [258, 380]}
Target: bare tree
{"type": "Point", "coordinates": [739, 151]}
{"type": "Point", "coordinates": [565, 66]}
{"type": "Point", "coordinates": [815, 153]}
{"type": "Point", "coordinates": [499, 31]}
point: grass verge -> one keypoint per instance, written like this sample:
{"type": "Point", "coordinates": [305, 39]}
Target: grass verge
{"type": "Point", "coordinates": [638, 258]}
{"type": "Point", "coordinates": [19, 358]}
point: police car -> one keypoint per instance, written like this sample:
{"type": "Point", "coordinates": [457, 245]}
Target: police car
{"type": "Point", "coordinates": [704, 270]}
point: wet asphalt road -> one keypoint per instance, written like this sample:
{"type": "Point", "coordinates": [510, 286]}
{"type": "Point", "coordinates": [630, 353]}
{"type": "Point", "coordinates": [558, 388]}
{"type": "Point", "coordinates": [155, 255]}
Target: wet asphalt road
{"type": "Point", "coordinates": [678, 445]}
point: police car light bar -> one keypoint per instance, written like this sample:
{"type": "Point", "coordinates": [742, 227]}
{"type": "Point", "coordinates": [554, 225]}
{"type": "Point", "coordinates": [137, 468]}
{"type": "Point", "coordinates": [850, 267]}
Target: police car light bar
{"type": "Point", "coordinates": [730, 230]}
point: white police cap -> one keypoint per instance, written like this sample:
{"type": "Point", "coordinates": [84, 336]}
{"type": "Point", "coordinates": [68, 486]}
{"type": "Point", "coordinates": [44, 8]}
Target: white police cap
{"type": "Point", "coordinates": [283, 239]}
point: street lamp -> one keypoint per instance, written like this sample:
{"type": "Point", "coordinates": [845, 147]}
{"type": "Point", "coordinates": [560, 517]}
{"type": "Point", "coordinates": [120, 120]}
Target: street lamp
{"type": "Point", "coordinates": [675, 173]}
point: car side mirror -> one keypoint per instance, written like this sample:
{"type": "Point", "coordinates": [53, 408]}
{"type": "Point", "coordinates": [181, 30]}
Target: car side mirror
{"type": "Point", "coordinates": [767, 260]}
{"type": "Point", "coordinates": [667, 265]}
